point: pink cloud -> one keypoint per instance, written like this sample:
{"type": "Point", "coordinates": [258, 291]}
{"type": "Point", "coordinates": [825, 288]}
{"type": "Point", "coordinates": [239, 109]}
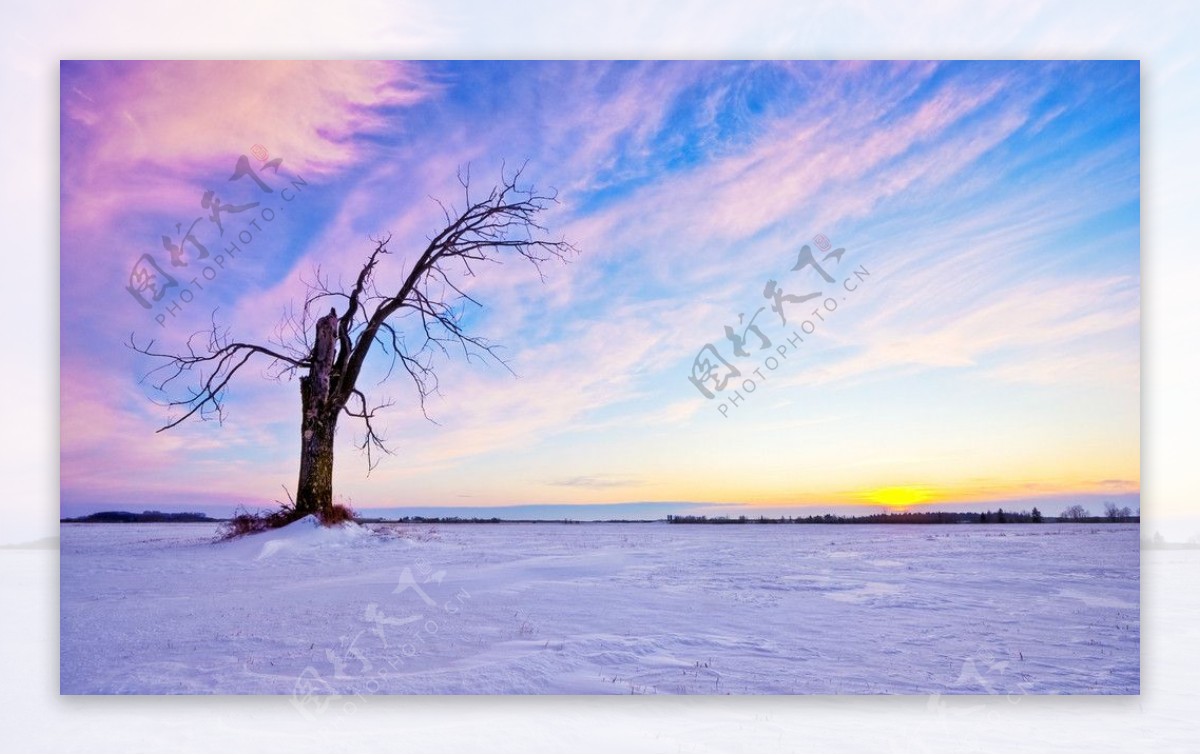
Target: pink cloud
{"type": "Point", "coordinates": [125, 123]}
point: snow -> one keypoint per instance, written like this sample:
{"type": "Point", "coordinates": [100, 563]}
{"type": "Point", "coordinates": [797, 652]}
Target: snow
{"type": "Point", "coordinates": [302, 535]}
{"type": "Point", "coordinates": [600, 608]}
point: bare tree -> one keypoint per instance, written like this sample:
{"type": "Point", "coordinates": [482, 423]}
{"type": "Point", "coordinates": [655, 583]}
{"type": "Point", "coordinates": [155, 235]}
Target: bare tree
{"type": "Point", "coordinates": [1115, 513]}
{"type": "Point", "coordinates": [411, 324]}
{"type": "Point", "coordinates": [1075, 512]}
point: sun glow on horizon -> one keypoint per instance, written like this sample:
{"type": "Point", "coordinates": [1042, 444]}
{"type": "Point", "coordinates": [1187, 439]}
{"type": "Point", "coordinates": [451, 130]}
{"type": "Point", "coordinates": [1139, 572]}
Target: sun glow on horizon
{"type": "Point", "coordinates": [898, 497]}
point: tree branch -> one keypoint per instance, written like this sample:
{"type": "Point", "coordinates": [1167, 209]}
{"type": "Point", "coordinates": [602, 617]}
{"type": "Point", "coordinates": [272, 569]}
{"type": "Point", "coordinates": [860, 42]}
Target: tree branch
{"type": "Point", "coordinates": [213, 367]}
{"type": "Point", "coordinates": [487, 229]}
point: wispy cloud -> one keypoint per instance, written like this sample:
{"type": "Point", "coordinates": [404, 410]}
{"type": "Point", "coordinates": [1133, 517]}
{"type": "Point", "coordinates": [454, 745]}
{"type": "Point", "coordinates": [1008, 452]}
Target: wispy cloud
{"type": "Point", "coordinates": [598, 482]}
{"type": "Point", "coordinates": [995, 203]}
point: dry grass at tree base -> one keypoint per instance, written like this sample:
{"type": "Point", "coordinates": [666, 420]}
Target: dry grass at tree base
{"type": "Point", "coordinates": [247, 523]}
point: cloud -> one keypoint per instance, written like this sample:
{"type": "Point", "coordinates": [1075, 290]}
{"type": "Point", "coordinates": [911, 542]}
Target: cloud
{"type": "Point", "coordinates": [597, 482]}
{"type": "Point", "coordinates": [184, 114]}
{"type": "Point", "coordinates": [132, 129]}
{"type": "Point", "coordinates": [1120, 485]}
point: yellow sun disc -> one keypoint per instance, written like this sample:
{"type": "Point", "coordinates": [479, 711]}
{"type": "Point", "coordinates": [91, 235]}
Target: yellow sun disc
{"type": "Point", "coordinates": [898, 497]}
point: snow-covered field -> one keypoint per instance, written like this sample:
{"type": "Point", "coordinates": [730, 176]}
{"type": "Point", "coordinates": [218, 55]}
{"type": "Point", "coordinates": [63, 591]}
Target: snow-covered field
{"type": "Point", "coordinates": [601, 608]}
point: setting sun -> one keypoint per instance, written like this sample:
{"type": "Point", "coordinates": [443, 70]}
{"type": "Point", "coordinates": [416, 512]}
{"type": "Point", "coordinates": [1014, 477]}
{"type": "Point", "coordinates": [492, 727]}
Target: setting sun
{"type": "Point", "coordinates": [898, 497]}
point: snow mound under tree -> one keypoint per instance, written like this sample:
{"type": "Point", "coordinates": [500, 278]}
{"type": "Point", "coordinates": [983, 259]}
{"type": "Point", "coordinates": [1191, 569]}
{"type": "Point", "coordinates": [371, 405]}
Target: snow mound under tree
{"type": "Point", "coordinates": [305, 534]}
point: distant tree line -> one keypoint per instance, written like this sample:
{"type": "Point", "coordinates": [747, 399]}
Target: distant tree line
{"type": "Point", "coordinates": [146, 517]}
{"type": "Point", "coordinates": [1112, 513]}
{"type": "Point", "coordinates": [464, 520]}
{"type": "Point", "coordinates": [897, 517]}
{"type": "Point", "coordinates": [1074, 513]}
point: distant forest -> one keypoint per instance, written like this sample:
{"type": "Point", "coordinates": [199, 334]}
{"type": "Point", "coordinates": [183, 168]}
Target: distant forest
{"type": "Point", "coordinates": [999, 516]}
{"type": "Point", "coordinates": [146, 517]}
{"type": "Point", "coordinates": [1073, 514]}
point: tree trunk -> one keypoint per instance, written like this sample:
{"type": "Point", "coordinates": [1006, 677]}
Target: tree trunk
{"type": "Point", "coordinates": [314, 491]}
{"type": "Point", "coordinates": [318, 424]}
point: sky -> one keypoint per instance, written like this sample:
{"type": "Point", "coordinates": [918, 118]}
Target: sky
{"type": "Point", "coordinates": [974, 344]}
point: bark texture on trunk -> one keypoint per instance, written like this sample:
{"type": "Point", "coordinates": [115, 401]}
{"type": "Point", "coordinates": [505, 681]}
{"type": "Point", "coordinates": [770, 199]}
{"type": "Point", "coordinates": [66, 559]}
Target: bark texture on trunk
{"type": "Point", "coordinates": [318, 423]}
